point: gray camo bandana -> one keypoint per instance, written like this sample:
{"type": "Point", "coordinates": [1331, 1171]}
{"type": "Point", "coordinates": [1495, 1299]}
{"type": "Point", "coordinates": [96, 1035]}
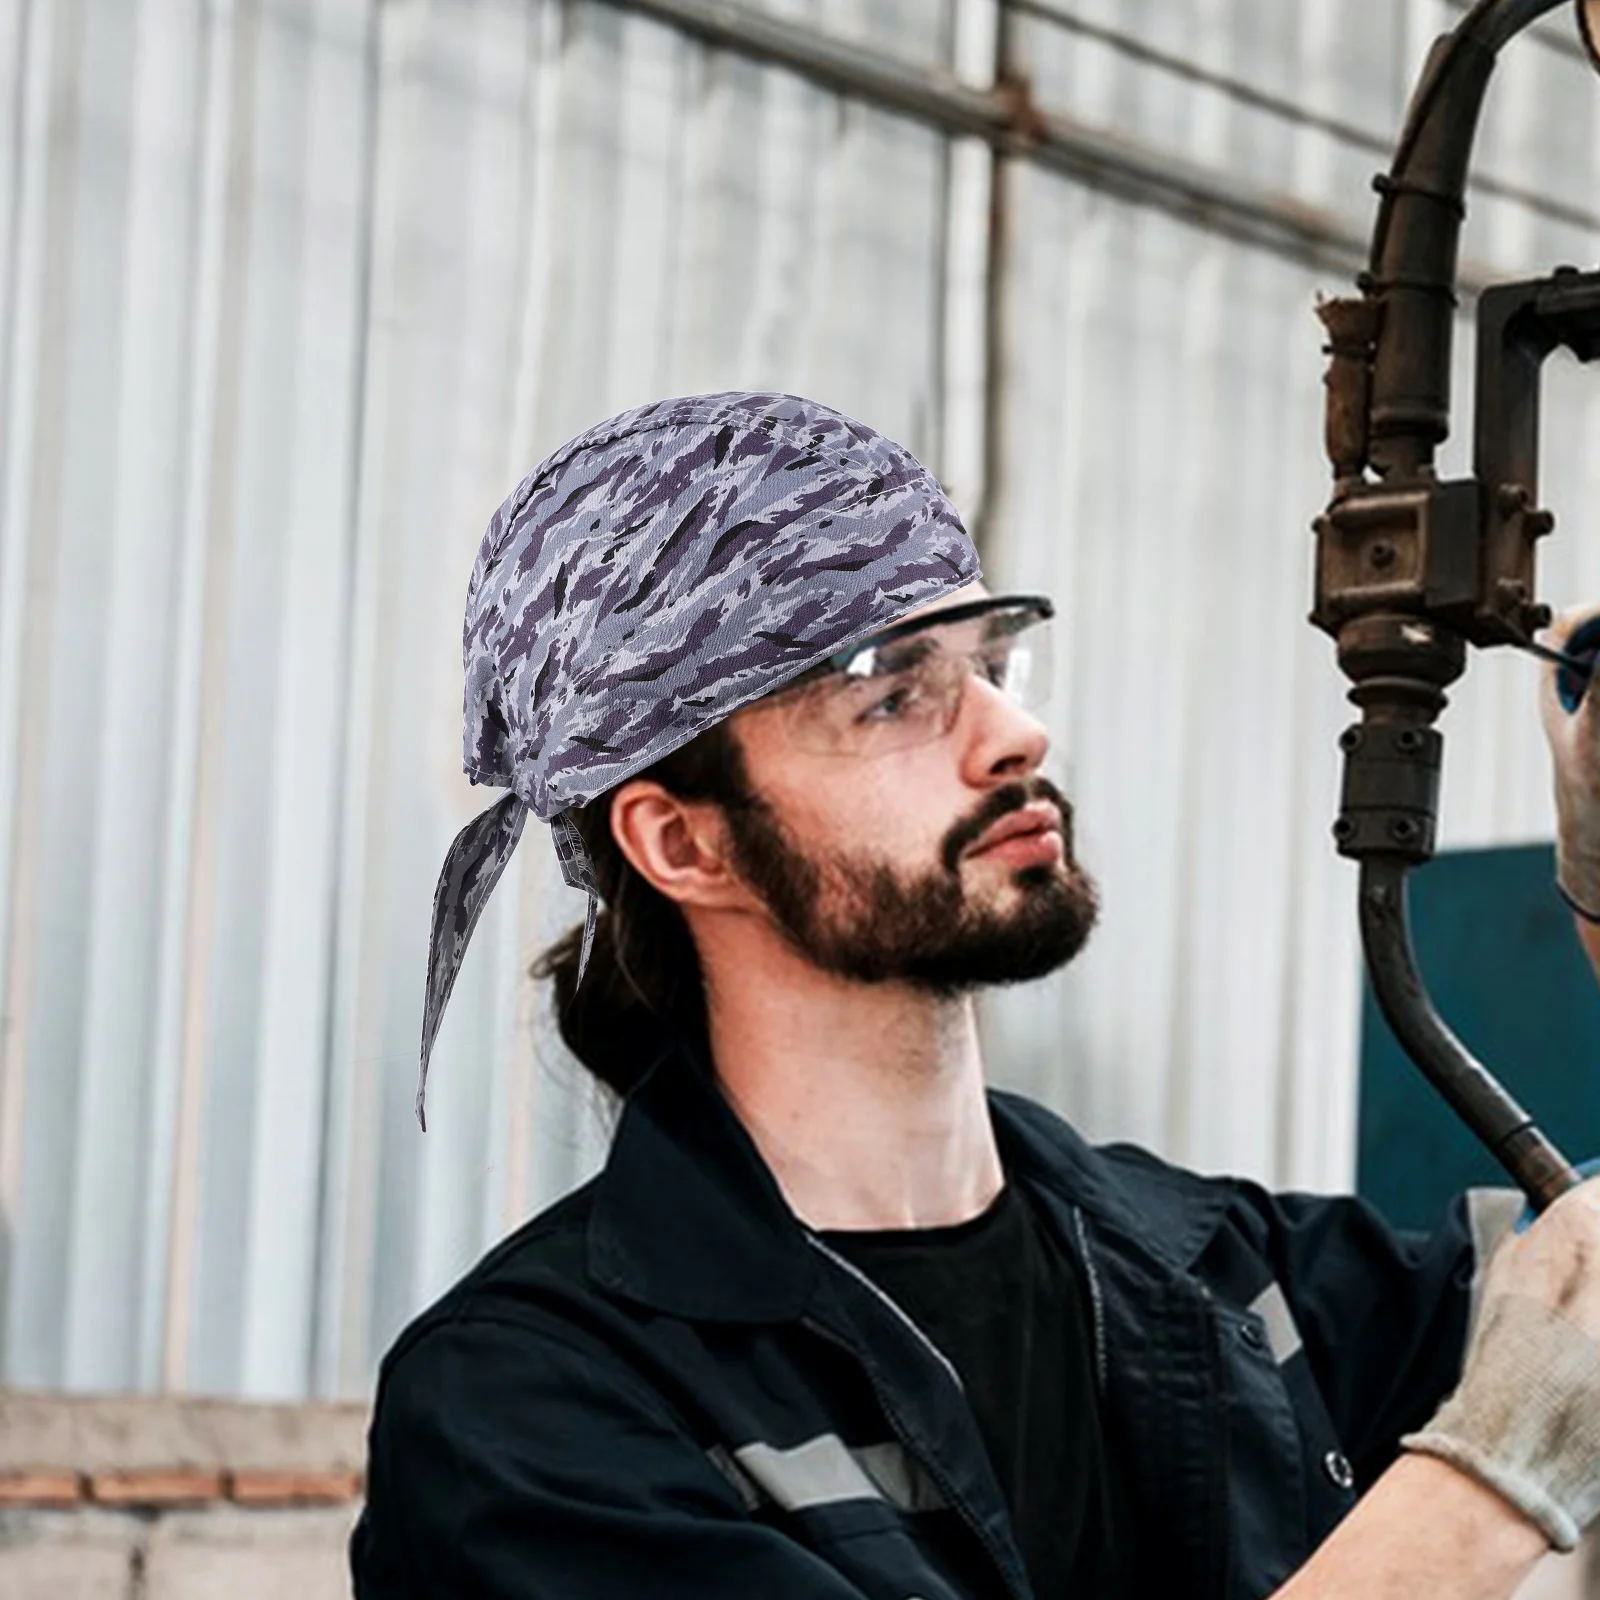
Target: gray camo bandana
{"type": "Point", "coordinates": [656, 573]}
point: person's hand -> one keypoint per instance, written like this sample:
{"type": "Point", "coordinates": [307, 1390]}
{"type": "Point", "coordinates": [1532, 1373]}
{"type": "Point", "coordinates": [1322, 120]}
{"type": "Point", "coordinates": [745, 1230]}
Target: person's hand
{"type": "Point", "coordinates": [1554, 1262]}
{"type": "Point", "coordinates": [1572, 726]}
{"type": "Point", "coordinates": [1525, 1418]}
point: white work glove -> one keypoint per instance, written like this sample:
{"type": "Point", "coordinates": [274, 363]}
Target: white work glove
{"type": "Point", "coordinates": [1574, 738]}
{"type": "Point", "coordinates": [1525, 1418]}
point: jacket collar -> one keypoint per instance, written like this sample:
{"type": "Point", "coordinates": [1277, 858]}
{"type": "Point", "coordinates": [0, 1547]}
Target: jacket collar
{"type": "Point", "coordinates": [1162, 1210]}
{"type": "Point", "coordinates": [689, 1220]}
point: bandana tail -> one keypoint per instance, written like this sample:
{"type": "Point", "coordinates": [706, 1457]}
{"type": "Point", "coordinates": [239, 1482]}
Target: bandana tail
{"type": "Point", "coordinates": [471, 869]}
{"type": "Point", "coordinates": [578, 870]}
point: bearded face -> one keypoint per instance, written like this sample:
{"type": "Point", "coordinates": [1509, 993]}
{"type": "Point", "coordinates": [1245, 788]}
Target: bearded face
{"type": "Point", "coordinates": [968, 917]}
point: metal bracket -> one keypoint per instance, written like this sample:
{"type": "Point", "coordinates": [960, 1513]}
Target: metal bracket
{"type": "Point", "coordinates": [1519, 325]}
{"type": "Point", "coordinates": [1412, 549]}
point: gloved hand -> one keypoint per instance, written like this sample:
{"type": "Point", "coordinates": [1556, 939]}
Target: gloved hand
{"type": "Point", "coordinates": [1525, 1418]}
{"type": "Point", "coordinates": [1572, 725]}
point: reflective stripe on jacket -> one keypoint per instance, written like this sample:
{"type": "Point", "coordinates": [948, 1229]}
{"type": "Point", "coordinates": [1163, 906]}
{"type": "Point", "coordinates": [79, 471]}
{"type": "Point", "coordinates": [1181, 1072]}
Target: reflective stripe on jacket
{"type": "Point", "coordinates": [665, 1387]}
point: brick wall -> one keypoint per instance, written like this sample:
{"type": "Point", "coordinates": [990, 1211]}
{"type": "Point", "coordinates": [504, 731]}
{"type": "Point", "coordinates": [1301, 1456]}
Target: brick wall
{"type": "Point", "coordinates": [176, 1499]}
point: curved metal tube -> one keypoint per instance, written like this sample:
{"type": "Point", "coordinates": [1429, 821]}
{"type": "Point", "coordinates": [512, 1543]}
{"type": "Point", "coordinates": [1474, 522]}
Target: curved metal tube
{"type": "Point", "coordinates": [1473, 1093]}
{"type": "Point", "coordinates": [1502, 20]}
{"type": "Point", "coordinates": [1416, 239]}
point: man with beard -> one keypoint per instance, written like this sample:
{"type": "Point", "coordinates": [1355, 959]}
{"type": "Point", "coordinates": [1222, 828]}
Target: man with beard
{"type": "Point", "coordinates": [836, 1322]}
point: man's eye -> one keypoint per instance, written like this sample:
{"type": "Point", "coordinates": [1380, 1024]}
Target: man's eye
{"type": "Point", "coordinates": [891, 706]}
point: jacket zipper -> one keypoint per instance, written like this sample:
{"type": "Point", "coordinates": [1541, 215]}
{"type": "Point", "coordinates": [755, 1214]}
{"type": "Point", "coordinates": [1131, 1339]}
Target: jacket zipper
{"type": "Point", "coordinates": [930, 1465]}
{"type": "Point", "coordinates": [1096, 1299]}
{"type": "Point", "coordinates": [861, 1278]}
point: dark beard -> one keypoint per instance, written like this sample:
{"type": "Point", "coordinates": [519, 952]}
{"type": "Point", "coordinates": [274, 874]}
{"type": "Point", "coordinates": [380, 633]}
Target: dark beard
{"type": "Point", "coordinates": [857, 918]}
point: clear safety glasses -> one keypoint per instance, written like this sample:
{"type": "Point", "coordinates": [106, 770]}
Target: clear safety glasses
{"type": "Point", "coordinates": [903, 686]}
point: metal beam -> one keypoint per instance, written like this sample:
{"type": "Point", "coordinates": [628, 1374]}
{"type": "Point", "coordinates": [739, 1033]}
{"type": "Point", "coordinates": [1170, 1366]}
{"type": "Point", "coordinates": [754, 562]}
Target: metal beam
{"type": "Point", "coordinates": [1009, 121]}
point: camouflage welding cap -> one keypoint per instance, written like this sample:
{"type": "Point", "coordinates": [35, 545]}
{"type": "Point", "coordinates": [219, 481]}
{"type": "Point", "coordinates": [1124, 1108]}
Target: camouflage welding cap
{"type": "Point", "coordinates": [652, 576]}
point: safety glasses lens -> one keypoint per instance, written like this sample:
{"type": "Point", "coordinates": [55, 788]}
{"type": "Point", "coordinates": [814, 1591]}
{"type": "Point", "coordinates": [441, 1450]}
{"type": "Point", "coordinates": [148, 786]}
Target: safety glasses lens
{"type": "Point", "coordinates": [907, 690]}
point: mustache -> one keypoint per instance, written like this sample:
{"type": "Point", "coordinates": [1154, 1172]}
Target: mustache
{"type": "Point", "coordinates": [1002, 802]}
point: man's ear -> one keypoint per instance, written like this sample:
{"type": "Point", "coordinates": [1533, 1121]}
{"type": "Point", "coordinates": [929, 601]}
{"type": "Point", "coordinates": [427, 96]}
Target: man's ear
{"type": "Point", "coordinates": [679, 847]}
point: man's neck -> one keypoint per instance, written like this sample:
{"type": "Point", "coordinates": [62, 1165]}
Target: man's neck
{"type": "Point", "coordinates": [865, 1100]}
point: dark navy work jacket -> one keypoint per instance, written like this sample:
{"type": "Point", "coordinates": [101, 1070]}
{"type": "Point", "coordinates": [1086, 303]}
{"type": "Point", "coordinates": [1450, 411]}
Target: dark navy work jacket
{"type": "Point", "coordinates": [665, 1388]}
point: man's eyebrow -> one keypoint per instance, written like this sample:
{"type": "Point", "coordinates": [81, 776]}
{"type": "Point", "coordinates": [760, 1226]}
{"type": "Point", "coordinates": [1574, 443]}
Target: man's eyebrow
{"type": "Point", "coordinates": [898, 654]}
{"type": "Point", "coordinates": [1002, 624]}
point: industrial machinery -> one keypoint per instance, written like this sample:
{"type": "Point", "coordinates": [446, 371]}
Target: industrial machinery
{"type": "Point", "coordinates": [1412, 569]}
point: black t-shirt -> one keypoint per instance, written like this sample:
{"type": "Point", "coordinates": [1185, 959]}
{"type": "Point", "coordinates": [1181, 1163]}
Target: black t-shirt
{"type": "Point", "coordinates": [1003, 1301]}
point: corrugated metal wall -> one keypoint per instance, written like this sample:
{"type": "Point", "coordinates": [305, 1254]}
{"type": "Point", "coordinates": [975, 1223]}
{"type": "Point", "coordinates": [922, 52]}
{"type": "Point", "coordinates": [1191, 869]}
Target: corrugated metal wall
{"type": "Point", "coordinates": [292, 291]}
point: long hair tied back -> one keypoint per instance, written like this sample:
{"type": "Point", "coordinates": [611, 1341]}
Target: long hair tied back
{"type": "Point", "coordinates": [643, 986]}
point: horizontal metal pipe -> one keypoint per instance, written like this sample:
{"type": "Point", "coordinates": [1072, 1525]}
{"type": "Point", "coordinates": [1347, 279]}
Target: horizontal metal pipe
{"type": "Point", "coordinates": [1013, 125]}
{"type": "Point", "coordinates": [927, 95]}
{"type": "Point", "coordinates": [1005, 118]}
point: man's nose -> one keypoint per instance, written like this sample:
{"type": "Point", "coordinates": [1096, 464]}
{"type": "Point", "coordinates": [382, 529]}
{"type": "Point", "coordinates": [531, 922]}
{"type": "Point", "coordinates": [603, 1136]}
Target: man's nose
{"type": "Point", "coordinates": [1000, 740]}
